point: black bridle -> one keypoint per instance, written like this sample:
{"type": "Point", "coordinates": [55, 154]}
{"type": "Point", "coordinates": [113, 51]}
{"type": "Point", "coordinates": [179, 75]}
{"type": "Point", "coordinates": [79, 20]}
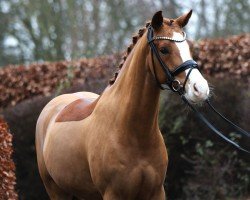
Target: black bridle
{"type": "Point", "coordinates": [175, 85]}
{"type": "Point", "coordinates": [171, 82]}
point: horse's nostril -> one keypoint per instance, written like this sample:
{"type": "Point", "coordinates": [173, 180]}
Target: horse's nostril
{"type": "Point", "coordinates": [195, 88]}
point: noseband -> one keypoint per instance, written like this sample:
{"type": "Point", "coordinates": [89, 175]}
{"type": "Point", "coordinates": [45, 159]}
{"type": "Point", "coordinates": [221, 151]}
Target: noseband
{"type": "Point", "coordinates": [171, 83]}
{"type": "Point", "coordinates": [175, 85]}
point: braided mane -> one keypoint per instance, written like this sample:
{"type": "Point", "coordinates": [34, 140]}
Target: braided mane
{"type": "Point", "coordinates": [135, 38]}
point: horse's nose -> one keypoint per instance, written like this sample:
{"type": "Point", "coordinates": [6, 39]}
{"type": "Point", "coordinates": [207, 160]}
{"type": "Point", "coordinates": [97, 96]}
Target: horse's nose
{"type": "Point", "coordinates": [201, 90]}
{"type": "Point", "coordinates": [196, 90]}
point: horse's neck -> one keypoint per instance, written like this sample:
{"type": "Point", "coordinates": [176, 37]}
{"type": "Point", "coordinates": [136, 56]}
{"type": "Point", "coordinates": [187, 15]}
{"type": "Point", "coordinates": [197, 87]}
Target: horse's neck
{"type": "Point", "coordinates": [134, 97]}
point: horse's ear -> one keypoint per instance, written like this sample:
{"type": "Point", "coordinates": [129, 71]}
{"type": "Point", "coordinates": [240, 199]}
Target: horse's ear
{"type": "Point", "coordinates": [157, 20]}
{"type": "Point", "coordinates": [183, 20]}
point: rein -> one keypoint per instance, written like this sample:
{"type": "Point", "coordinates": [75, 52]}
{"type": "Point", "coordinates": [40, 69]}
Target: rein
{"type": "Point", "coordinates": [175, 85]}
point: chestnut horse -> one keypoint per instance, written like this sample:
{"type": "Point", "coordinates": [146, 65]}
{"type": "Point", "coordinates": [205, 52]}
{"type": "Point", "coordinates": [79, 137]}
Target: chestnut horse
{"type": "Point", "coordinates": [110, 146]}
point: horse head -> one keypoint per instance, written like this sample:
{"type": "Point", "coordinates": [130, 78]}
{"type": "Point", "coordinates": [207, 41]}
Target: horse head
{"type": "Point", "coordinates": [170, 60]}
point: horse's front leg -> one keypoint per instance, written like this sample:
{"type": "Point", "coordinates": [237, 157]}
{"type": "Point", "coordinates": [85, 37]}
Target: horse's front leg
{"type": "Point", "coordinates": [110, 194]}
{"type": "Point", "coordinates": [160, 194]}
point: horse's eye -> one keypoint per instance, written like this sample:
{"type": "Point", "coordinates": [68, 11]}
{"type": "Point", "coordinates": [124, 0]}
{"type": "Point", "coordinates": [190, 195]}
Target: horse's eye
{"type": "Point", "coordinates": [164, 50]}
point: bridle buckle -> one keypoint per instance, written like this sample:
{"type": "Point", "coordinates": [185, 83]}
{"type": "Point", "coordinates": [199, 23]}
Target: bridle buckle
{"type": "Point", "coordinates": [176, 85]}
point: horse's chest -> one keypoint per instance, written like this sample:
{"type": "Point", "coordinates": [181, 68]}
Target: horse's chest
{"type": "Point", "coordinates": [130, 171]}
{"type": "Point", "coordinates": [134, 182]}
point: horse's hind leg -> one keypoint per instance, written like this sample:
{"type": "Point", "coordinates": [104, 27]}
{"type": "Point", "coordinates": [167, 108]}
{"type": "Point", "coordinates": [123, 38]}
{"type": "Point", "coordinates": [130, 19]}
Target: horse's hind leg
{"type": "Point", "coordinates": [54, 192]}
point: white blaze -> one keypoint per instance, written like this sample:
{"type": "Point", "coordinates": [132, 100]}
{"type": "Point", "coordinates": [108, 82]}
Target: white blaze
{"type": "Point", "coordinates": [195, 78]}
{"type": "Point", "coordinates": [183, 47]}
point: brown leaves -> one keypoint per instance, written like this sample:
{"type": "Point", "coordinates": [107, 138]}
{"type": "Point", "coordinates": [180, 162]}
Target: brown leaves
{"type": "Point", "coordinates": [7, 166]}
{"type": "Point", "coordinates": [20, 82]}
{"type": "Point", "coordinates": [224, 57]}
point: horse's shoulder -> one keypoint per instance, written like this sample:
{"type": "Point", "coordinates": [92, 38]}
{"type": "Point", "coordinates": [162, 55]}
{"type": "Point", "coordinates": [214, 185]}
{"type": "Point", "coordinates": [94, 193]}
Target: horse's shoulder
{"type": "Point", "coordinates": [78, 109]}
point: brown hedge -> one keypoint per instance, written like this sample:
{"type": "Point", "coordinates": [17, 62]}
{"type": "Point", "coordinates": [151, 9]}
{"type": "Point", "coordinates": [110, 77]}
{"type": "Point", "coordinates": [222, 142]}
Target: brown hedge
{"type": "Point", "coordinates": [224, 57]}
{"type": "Point", "coordinates": [216, 57]}
{"type": "Point", "coordinates": [23, 82]}
{"type": "Point", "coordinates": [7, 166]}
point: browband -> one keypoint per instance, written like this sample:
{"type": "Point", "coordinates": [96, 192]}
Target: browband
{"type": "Point", "coordinates": [171, 39]}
